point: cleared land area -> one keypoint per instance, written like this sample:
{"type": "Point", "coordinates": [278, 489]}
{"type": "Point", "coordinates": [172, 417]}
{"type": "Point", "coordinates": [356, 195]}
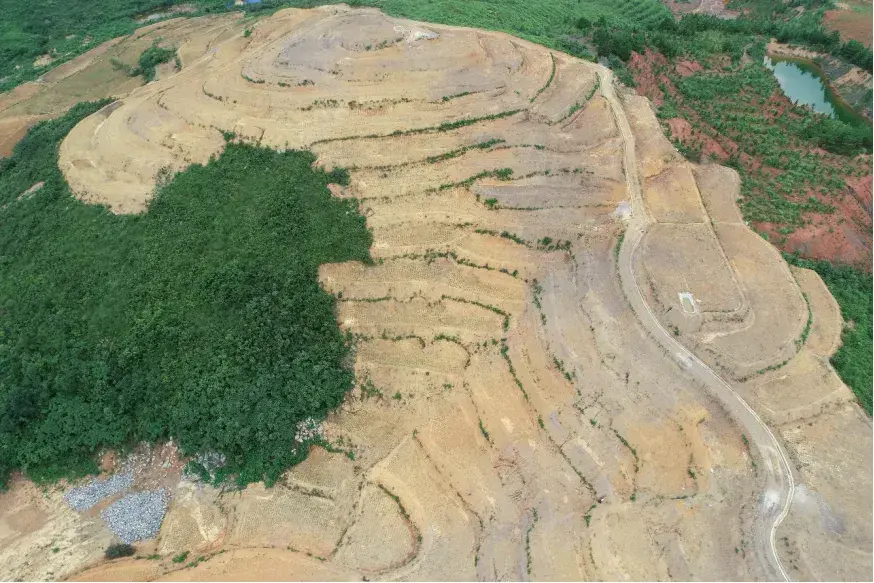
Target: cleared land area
{"type": "Point", "coordinates": [805, 184]}
{"type": "Point", "coordinates": [512, 416]}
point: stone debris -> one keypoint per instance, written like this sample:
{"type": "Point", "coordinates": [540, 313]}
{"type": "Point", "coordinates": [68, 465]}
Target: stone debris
{"type": "Point", "coordinates": [307, 430]}
{"type": "Point", "coordinates": [85, 497]}
{"type": "Point", "coordinates": [137, 516]}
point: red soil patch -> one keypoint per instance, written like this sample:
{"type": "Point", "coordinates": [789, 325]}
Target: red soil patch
{"type": "Point", "coordinates": [107, 462]}
{"type": "Point", "coordinates": [682, 130]}
{"type": "Point", "coordinates": [686, 68]}
{"type": "Point", "coordinates": [828, 238]}
{"type": "Point", "coordinates": [13, 129]}
{"type": "Point", "coordinates": [843, 236]}
{"type": "Point", "coordinates": [643, 68]}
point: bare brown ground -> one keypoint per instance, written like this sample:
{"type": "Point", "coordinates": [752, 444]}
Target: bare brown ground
{"type": "Point", "coordinates": [712, 7]}
{"type": "Point", "coordinates": [785, 376]}
{"type": "Point", "coordinates": [852, 19]}
{"type": "Point", "coordinates": [512, 419]}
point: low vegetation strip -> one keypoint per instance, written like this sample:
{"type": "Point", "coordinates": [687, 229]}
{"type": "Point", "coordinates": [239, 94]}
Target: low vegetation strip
{"type": "Point", "coordinates": [201, 319]}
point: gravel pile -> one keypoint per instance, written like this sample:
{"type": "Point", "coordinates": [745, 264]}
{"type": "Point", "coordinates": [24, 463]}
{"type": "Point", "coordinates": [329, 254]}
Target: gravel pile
{"type": "Point", "coordinates": [84, 497]}
{"type": "Point", "coordinates": [137, 516]}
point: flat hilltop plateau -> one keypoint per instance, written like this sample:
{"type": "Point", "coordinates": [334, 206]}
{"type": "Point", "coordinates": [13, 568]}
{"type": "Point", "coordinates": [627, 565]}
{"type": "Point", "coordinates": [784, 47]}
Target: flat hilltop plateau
{"type": "Point", "coordinates": [572, 358]}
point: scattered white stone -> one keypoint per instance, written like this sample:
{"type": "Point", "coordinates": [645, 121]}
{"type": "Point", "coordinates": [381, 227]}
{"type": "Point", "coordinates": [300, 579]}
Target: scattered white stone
{"type": "Point", "coordinates": [84, 497]}
{"type": "Point", "coordinates": [422, 34]}
{"type": "Point", "coordinates": [623, 211]}
{"type": "Point", "coordinates": [307, 430]}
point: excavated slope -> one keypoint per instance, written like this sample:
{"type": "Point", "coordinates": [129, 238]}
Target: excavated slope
{"type": "Point", "coordinates": [512, 420]}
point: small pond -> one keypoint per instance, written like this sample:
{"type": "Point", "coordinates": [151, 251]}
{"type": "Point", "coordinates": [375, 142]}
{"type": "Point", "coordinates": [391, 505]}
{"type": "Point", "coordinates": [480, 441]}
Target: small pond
{"type": "Point", "coordinates": [804, 83]}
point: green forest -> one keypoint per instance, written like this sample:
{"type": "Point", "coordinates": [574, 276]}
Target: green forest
{"type": "Point", "coordinates": [201, 319]}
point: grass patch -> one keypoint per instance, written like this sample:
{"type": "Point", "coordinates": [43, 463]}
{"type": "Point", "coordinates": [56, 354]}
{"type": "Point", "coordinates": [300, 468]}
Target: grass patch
{"type": "Point", "coordinates": [444, 127]}
{"type": "Point", "coordinates": [152, 57]}
{"type": "Point", "coordinates": [201, 319]}
{"type": "Point", "coordinates": [482, 429]}
{"type": "Point", "coordinates": [460, 151]}
{"type": "Point", "coordinates": [618, 246]}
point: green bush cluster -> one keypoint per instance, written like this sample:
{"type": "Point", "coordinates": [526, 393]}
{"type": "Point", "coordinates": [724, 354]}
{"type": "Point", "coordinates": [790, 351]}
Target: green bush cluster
{"type": "Point", "coordinates": [149, 59]}
{"type": "Point", "coordinates": [201, 319]}
{"type": "Point", "coordinates": [152, 57]}
{"type": "Point", "coordinates": [119, 550]}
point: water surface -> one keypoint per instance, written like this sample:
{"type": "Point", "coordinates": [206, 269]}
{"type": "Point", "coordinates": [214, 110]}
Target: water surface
{"type": "Point", "coordinates": [804, 84]}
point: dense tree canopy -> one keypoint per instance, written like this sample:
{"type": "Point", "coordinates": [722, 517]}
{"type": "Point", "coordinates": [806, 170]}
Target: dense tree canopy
{"type": "Point", "coordinates": [201, 319]}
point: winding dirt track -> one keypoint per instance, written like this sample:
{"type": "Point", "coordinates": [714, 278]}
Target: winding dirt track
{"type": "Point", "coordinates": [779, 471]}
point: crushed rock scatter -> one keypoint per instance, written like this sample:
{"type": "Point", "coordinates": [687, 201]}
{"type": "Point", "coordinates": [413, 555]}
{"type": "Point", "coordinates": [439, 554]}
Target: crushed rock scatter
{"type": "Point", "coordinates": [85, 497]}
{"type": "Point", "coordinates": [137, 516]}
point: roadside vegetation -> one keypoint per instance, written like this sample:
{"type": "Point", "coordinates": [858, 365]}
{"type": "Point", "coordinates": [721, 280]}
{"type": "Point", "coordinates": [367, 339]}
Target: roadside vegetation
{"type": "Point", "coordinates": [201, 320]}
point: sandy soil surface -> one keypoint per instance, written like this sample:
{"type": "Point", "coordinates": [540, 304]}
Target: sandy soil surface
{"type": "Point", "coordinates": [513, 418]}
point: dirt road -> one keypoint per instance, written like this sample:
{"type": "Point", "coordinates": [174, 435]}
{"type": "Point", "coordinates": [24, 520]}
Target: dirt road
{"type": "Point", "coordinates": [779, 485]}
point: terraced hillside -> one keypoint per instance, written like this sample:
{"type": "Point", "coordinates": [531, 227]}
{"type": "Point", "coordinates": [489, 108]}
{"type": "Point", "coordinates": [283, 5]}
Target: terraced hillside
{"type": "Point", "coordinates": [522, 409]}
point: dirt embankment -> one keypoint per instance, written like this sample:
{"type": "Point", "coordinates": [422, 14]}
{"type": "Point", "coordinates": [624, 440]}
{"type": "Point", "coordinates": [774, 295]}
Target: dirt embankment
{"type": "Point", "coordinates": [95, 75]}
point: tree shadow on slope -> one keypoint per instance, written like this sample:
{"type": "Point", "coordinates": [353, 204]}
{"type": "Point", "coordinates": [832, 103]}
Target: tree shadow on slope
{"type": "Point", "coordinates": [201, 319]}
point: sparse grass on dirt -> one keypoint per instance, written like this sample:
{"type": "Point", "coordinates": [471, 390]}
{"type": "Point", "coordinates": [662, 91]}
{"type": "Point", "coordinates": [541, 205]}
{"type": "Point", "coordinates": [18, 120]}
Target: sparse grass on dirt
{"type": "Point", "coordinates": [59, 29]}
{"type": "Point", "coordinates": [201, 319]}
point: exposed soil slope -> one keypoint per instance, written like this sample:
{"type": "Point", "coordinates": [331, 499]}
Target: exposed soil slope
{"type": "Point", "coordinates": [513, 420]}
